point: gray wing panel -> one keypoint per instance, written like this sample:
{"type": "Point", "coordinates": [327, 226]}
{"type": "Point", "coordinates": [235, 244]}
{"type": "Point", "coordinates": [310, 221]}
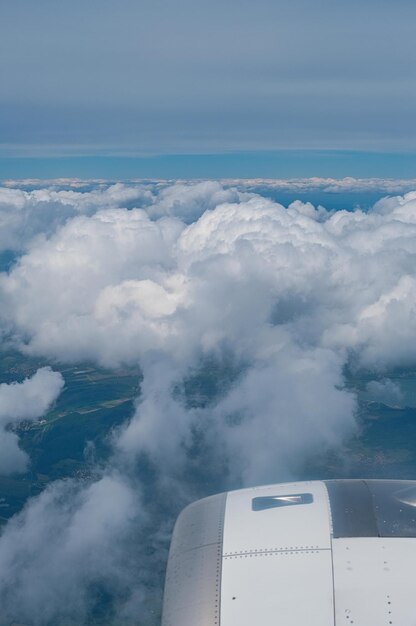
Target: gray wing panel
{"type": "Point", "coordinates": [373, 508]}
{"type": "Point", "coordinates": [193, 576]}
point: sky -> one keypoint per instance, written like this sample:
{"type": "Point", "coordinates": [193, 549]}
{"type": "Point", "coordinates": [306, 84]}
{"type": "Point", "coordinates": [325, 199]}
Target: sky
{"type": "Point", "coordinates": [172, 79]}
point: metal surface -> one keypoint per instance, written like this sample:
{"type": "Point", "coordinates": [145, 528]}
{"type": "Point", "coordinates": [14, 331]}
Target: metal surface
{"type": "Point", "coordinates": [372, 508]}
{"type": "Point", "coordinates": [193, 577]}
{"type": "Point", "coordinates": [395, 506]}
{"type": "Point", "coordinates": [278, 588]}
{"type": "Point", "coordinates": [303, 526]}
{"type": "Point", "coordinates": [352, 509]}
{"type": "Point", "coordinates": [277, 566]}
{"type": "Point", "coordinates": [374, 581]}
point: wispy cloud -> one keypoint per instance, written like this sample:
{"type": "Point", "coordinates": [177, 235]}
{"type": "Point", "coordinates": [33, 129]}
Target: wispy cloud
{"type": "Point", "coordinates": [26, 401]}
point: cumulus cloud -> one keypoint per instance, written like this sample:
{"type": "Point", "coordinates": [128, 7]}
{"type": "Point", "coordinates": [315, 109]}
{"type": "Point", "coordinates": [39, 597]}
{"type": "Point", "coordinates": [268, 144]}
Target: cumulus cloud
{"type": "Point", "coordinates": [189, 202]}
{"type": "Point", "coordinates": [199, 277]}
{"type": "Point", "coordinates": [27, 401]}
{"type": "Point", "coordinates": [39, 212]}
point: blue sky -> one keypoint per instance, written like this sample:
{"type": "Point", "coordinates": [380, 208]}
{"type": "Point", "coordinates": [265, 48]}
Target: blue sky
{"type": "Point", "coordinates": [146, 78]}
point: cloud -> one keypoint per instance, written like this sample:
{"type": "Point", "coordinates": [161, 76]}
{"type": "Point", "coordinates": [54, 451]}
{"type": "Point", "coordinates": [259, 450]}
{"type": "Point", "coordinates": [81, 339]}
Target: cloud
{"type": "Point", "coordinates": [199, 282]}
{"type": "Point", "coordinates": [27, 401]}
{"type": "Point", "coordinates": [189, 202]}
{"type": "Point", "coordinates": [65, 550]}
{"type": "Point", "coordinates": [39, 212]}
{"type": "Point", "coordinates": [142, 286]}
{"type": "Point", "coordinates": [325, 185]}
{"type": "Point", "coordinates": [385, 391]}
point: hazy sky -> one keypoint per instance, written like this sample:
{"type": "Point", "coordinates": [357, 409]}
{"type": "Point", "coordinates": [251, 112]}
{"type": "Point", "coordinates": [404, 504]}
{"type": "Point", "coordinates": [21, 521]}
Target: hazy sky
{"type": "Point", "coordinates": [182, 76]}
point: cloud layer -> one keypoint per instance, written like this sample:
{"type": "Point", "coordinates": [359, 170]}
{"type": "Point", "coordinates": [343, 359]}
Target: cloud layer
{"type": "Point", "coordinates": [185, 280]}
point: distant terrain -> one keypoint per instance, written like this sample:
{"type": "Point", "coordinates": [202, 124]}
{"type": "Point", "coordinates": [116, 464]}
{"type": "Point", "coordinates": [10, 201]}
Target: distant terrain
{"type": "Point", "coordinates": [69, 440]}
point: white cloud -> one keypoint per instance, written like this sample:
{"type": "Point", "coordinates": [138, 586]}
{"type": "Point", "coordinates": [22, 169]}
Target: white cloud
{"type": "Point", "coordinates": [27, 401]}
{"type": "Point", "coordinates": [269, 283]}
{"type": "Point", "coordinates": [26, 214]}
{"type": "Point", "coordinates": [189, 202]}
